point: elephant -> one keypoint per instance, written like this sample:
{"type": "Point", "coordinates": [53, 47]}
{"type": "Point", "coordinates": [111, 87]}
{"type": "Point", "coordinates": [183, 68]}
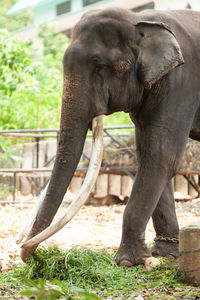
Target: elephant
{"type": "Point", "coordinates": [146, 64]}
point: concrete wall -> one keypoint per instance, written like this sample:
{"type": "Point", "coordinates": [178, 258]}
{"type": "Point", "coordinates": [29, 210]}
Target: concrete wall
{"type": "Point", "coordinates": [65, 22]}
{"type": "Point", "coordinates": [47, 11]}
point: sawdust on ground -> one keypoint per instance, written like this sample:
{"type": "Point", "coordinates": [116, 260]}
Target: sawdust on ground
{"type": "Point", "coordinates": [93, 227]}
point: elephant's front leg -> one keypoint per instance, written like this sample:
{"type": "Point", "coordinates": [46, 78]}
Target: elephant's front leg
{"type": "Point", "coordinates": [143, 200]}
{"type": "Point", "coordinates": [158, 156]}
{"type": "Point", "coordinates": [166, 225]}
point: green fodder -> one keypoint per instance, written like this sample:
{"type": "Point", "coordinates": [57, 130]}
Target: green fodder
{"type": "Point", "coordinates": [97, 271]}
{"type": "Point", "coordinates": [81, 273]}
{"type": "Point", "coordinates": [76, 265]}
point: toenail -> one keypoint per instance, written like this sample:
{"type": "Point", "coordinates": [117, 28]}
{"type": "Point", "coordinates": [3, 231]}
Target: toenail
{"type": "Point", "coordinates": [126, 263]}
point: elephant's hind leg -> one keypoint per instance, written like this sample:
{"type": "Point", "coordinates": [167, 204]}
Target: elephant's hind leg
{"type": "Point", "coordinates": [166, 225]}
{"type": "Point", "coordinates": [159, 157]}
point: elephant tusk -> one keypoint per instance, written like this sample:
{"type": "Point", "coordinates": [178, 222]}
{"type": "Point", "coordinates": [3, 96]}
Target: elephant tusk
{"type": "Point", "coordinates": [85, 190]}
{"type": "Point", "coordinates": [31, 217]}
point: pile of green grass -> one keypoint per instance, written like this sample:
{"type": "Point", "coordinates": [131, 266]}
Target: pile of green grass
{"type": "Point", "coordinates": [86, 274]}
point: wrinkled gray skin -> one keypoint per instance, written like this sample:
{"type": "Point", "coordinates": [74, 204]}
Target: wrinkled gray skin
{"type": "Point", "coordinates": [147, 65]}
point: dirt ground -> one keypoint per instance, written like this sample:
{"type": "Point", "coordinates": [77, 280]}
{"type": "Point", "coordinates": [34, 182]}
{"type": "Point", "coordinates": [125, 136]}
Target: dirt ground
{"type": "Point", "coordinates": [93, 227]}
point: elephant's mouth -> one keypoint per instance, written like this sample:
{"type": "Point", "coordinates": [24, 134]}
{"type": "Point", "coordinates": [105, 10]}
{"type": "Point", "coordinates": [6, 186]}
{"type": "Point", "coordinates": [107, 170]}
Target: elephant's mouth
{"type": "Point", "coordinates": [79, 200]}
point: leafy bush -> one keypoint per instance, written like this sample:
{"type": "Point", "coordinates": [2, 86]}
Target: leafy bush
{"type": "Point", "coordinates": [15, 66]}
{"type": "Point", "coordinates": [53, 45]}
{"type": "Point", "coordinates": [14, 22]}
{"type": "Point", "coordinates": [4, 191]}
{"type": "Point", "coordinates": [30, 86]}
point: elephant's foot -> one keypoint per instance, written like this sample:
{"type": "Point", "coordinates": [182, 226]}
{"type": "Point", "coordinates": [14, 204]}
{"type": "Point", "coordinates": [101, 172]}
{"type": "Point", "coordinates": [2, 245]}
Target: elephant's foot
{"type": "Point", "coordinates": [165, 248]}
{"type": "Point", "coordinates": [26, 253]}
{"type": "Point", "coordinates": [130, 255]}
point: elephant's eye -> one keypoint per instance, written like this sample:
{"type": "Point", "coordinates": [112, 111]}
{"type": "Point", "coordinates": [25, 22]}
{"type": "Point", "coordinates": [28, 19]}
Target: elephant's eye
{"type": "Point", "coordinates": [98, 69]}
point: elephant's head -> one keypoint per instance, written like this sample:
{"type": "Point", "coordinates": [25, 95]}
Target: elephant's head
{"type": "Point", "coordinates": [113, 57]}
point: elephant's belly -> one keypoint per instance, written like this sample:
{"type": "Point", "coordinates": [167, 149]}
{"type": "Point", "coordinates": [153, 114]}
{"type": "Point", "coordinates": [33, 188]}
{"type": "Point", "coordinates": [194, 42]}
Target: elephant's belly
{"type": "Point", "coordinates": [195, 134]}
{"type": "Point", "coordinates": [195, 130]}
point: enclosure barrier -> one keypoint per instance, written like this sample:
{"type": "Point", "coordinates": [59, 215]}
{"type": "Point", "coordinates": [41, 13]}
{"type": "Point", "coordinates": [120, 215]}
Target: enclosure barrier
{"type": "Point", "coordinates": [39, 134]}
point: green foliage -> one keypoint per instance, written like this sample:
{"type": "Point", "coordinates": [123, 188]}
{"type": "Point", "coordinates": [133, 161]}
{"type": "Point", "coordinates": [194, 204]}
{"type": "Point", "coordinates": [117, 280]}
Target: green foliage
{"type": "Point", "coordinates": [54, 45]}
{"type": "Point", "coordinates": [15, 66]}
{"type": "Point", "coordinates": [84, 274]}
{"type": "Point", "coordinates": [8, 153]}
{"type": "Point", "coordinates": [26, 109]}
{"type": "Point", "coordinates": [42, 290]}
{"type": "Point", "coordinates": [117, 119]}
{"type": "Point", "coordinates": [13, 22]}
{"type": "Point", "coordinates": [4, 191]}
{"type": "Point", "coordinates": [46, 290]}
{"type": "Point", "coordinates": [44, 265]}
{"type": "Point", "coordinates": [30, 90]}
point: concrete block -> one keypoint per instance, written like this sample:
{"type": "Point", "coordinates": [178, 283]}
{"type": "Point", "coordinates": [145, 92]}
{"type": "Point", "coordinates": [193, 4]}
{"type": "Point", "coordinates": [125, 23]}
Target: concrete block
{"type": "Point", "coordinates": [180, 185]}
{"type": "Point", "coordinates": [28, 163]}
{"type": "Point", "coordinates": [101, 189]}
{"type": "Point", "coordinates": [51, 149]}
{"type": "Point", "coordinates": [126, 185]}
{"type": "Point", "coordinates": [42, 154]}
{"type": "Point", "coordinates": [28, 152]}
{"type": "Point", "coordinates": [75, 184]}
{"type": "Point", "coordinates": [25, 185]}
{"type": "Point", "coordinates": [189, 250]}
{"type": "Point", "coordinates": [114, 185]}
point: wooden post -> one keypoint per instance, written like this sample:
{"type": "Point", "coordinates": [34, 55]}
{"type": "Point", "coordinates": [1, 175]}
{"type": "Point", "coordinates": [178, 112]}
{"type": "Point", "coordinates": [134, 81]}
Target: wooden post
{"type": "Point", "coordinates": [189, 250]}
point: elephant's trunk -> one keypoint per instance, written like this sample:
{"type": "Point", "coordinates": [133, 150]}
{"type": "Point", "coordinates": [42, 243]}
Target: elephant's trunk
{"type": "Point", "coordinates": [80, 199]}
{"type": "Point", "coordinates": [73, 130]}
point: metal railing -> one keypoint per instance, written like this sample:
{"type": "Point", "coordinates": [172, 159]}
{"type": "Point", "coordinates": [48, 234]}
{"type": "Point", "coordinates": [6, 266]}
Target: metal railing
{"type": "Point", "coordinates": [39, 134]}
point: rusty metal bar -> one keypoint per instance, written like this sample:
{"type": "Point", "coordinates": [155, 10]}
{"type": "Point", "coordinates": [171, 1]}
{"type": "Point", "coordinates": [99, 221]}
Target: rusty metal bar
{"type": "Point", "coordinates": [28, 130]}
{"type": "Point", "coordinates": [31, 135]}
{"type": "Point", "coordinates": [57, 130]}
{"type": "Point", "coordinates": [130, 153]}
{"type": "Point", "coordinates": [14, 186]}
{"type": "Point", "coordinates": [190, 178]}
{"type": "Point", "coordinates": [33, 170]}
{"type": "Point", "coordinates": [37, 140]}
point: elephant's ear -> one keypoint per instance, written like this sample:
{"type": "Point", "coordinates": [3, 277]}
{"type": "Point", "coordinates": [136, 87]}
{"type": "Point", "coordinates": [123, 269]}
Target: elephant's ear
{"type": "Point", "coordinates": [159, 52]}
